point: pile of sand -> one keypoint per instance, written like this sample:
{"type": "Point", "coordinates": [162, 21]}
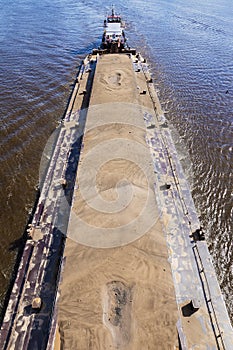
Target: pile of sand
{"type": "Point", "coordinates": [119, 294]}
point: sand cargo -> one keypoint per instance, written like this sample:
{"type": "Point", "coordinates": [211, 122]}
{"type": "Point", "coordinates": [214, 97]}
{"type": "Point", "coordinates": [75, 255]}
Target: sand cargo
{"type": "Point", "coordinates": [115, 256]}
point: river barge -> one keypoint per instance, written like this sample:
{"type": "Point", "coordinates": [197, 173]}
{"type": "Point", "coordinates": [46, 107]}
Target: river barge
{"type": "Point", "coordinates": [114, 93]}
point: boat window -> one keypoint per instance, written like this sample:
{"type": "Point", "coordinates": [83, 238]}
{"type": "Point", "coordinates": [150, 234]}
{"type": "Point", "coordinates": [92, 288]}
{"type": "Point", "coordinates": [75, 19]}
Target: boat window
{"type": "Point", "coordinates": [114, 19]}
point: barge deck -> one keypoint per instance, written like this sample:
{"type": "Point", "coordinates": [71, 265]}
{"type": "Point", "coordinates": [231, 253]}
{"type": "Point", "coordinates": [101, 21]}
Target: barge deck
{"type": "Point", "coordinates": [125, 266]}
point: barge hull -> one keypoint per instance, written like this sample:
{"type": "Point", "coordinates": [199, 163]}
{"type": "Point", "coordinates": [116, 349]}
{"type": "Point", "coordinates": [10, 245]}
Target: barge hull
{"type": "Point", "coordinates": [195, 303]}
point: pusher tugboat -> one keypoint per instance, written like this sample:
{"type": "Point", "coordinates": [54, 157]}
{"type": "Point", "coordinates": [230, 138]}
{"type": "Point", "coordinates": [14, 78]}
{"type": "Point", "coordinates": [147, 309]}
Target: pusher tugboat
{"type": "Point", "coordinates": [114, 39]}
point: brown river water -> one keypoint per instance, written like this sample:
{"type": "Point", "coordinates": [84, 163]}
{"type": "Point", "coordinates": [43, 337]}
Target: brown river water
{"type": "Point", "coordinates": [189, 48]}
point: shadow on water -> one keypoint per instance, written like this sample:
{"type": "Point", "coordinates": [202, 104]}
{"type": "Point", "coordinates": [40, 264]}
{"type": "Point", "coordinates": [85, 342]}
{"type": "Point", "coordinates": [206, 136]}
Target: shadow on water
{"type": "Point", "coordinates": [18, 246]}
